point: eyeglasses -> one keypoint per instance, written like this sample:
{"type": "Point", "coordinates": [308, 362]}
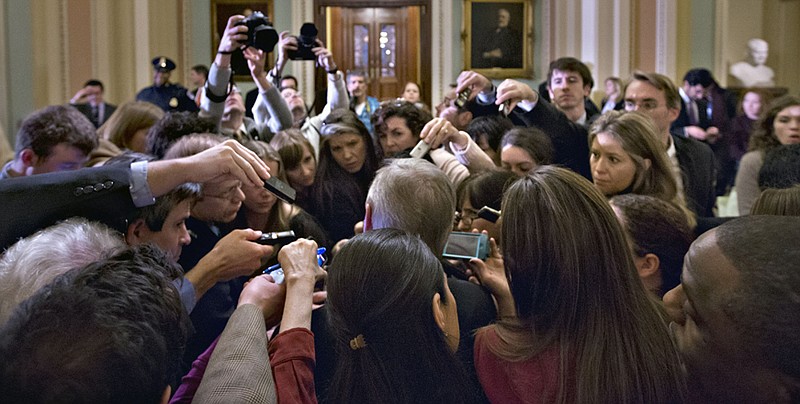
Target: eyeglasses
{"type": "Point", "coordinates": [467, 216]}
{"type": "Point", "coordinates": [645, 105]}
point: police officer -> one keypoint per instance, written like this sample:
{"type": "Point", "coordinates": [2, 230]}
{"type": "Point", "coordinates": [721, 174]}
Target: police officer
{"type": "Point", "coordinates": [168, 96]}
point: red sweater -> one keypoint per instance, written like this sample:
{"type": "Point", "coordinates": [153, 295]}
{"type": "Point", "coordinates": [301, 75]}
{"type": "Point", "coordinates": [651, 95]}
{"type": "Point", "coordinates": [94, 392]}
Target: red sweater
{"type": "Point", "coordinates": [534, 380]}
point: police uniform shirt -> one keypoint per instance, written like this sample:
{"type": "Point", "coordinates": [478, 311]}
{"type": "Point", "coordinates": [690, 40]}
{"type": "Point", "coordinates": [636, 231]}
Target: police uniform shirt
{"type": "Point", "coordinates": [169, 97]}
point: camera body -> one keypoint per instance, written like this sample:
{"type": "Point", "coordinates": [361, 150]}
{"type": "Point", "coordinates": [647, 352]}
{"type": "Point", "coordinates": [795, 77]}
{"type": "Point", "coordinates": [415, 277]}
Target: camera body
{"type": "Point", "coordinates": [260, 32]}
{"type": "Point", "coordinates": [306, 41]}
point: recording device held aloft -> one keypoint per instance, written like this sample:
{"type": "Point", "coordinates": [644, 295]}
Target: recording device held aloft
{"type": "Point", "coordinates": [281, 189]}
{"type": "Point", "coordinates": [306, 41]}
{"type": "Point", "coordinates": [420, 150]}
{"type": "Point", "coordinates": [462, 98]}
{"type": "Point", "coordinates": [462, 245]}
{"type": "Point", "coordinates": [277, 237]}
{"type": "Point", "coordinates": [260, 33]}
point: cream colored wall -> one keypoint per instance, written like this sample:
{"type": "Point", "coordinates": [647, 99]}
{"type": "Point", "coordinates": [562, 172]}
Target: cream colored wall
{"type": "Point", "coordinates": [782, 31]}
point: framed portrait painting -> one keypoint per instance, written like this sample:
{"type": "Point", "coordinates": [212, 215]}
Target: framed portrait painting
{"type": "Point", "coordinates": [221, 10]}
{"type": "Point", "coordinates": [498, 37]}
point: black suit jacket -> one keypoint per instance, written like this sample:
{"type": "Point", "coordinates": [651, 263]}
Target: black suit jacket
{"type": "Point", "coordinates": [683, 117]}
{"type": "Point", "coordinates": [570, 140]}
{"type": "Point", "coordinates": [86, 109]}
{"type": "Point", "coordinates": [213, 310]}
{"type": "Point", "coordinates": [34, 202]}
{"type": "Point", "coordinates": [698, 173]}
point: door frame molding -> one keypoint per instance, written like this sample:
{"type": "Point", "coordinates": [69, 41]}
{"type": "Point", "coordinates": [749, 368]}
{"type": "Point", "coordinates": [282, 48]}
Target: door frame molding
{"type": "Point", "coordinates": [425, 27]}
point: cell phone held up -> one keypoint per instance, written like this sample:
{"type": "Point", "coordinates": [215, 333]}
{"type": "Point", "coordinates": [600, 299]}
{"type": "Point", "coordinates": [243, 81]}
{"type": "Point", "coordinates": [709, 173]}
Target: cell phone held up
{"type": "Point", "coordinates": [463, 245]}
{"type": "Point", "coordinates": [277, 237]}
{"type": "Point", "coordinates": [281, 189]}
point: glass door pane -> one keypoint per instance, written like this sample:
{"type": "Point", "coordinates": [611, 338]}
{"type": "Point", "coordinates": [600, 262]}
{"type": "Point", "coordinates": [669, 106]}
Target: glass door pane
{"type": "Point", "coordinates": [388, 44]}
{"type": "Point", "coordinates": [361, 47]}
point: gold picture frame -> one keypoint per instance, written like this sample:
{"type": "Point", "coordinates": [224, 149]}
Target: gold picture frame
{"type": "Point", "coordinates": [496, 48]}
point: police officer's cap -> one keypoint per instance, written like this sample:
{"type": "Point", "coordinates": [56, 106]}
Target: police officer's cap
{"type": "Point", "coordinates": [163, 64]}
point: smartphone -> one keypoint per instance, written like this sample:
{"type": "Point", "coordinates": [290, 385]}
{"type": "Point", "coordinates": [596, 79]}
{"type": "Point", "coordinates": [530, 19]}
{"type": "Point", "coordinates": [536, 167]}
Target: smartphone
{"type": "Point", "coordinates": [279, 237]}
{"type": "Point", "coordinates": [487, 213]}
{"type": "Point", "coordinates": [281, 189]}
{"type": "Point", "coordinates": [463, 245]}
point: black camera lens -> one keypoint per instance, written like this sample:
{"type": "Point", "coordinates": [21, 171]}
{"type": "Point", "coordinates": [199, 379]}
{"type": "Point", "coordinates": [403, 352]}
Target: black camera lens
{"type": "Point", "coordinates": [260, 33]}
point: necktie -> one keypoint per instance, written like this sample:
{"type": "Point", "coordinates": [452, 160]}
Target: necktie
{"type": "Point", "coordinates": [692, 111]}
{"type": "Point", "coordinates": [95, 116]}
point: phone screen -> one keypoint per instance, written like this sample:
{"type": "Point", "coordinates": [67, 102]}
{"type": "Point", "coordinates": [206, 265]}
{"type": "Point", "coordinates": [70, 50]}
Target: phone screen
{"type": "Point", "coordinates": [462, 246]}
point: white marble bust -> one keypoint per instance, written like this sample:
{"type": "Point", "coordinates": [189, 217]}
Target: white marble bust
{"type": "Point", "coordinates": [752, 72]}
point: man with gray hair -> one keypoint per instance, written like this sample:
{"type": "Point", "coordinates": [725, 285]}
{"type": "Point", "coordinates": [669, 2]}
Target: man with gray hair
{"type": "Point", "coordinates": [428, 214]}
{"type": "Point", "coordinates": [34, 261]}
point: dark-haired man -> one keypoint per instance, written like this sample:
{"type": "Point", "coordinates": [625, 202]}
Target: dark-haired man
{"type": "Point", "coordinates": [569, 83]}
{"type": "Point", "coordinates": [692, 161]}
{"type": "Point", "coordinates": [735, 315]}
{"type": "Point", "coordinates": [89, 101]}
{"type": "Point", "coordinates": [56, 138]}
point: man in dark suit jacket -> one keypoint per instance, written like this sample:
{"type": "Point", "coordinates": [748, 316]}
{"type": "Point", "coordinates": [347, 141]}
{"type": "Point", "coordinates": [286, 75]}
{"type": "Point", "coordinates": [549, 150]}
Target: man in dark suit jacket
{"type": "Point", "coordinates": [569, 139]}
{"type": "Point", "coordinates": [89, 101]}
{"type": "Point", "coordinates": [656, 96]}
{"type": "Point", "coordinates": [110, 194]}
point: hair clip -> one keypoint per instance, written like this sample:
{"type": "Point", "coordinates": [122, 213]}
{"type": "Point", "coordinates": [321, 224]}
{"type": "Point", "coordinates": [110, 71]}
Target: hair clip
{"type": "Point", "coordinates": [358, 342]}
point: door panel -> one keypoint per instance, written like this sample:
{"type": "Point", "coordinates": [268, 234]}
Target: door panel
{"type": "Point", "coordinates": [379, 41]}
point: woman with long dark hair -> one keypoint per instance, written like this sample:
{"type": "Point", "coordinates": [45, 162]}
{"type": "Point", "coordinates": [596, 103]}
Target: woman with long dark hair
{"type": "Point", "coordinates": [347, 165]}
{"type": "Point", "coordinates": [582, 327]}
{"type": "Point", "coordinates": [778, 125]}
{"type": "Point", "coordinates": [395, 323]}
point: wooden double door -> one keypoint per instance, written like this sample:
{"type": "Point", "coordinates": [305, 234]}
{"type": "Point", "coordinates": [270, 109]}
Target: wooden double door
{"type": "Point", "coordinates": [383, 42]}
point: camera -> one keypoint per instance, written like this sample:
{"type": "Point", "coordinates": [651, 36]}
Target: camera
{"type": "Point", "coordinates": [306, 41]}
{"type": "Point", "coordinates": [462, 245]}
{"type": "Point", "coordinates": [260, 33]}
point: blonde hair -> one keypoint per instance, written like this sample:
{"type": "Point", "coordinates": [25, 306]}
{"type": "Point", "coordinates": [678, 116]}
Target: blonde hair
{"type": "Point", "coordinates": [638, 136]}
{"type": "Point", "coordinates": [128, 119]}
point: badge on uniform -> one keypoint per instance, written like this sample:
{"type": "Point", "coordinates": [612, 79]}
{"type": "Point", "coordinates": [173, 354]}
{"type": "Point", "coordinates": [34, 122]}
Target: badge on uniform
{"type": "Point", "coordinates": [173, 102]}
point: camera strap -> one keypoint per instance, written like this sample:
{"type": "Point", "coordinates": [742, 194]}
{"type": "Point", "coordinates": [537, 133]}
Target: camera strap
{"type": "Point", "coordinates": [220, 98]}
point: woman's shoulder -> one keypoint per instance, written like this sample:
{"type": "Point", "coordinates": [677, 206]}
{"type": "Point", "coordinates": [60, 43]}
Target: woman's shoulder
{"type": "Point", "coordinates": [755, 157]}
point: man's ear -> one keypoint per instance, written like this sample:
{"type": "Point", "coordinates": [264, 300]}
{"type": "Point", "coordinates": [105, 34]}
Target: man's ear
{"type": "Point", "coordinates": [673, 114]}
{"type": "Point", "coordinates": [134, 234]}
{"type": "Point", "coordinates": [438, 311]}
{"type": "Point", "coordinates": [367, 217]}
{"type": "Point", "coordinates": [549, 91]}
{"type": "Point", "coordinates": [587, 91]}
{"type": "Point", "coordinates": [28, 157]}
